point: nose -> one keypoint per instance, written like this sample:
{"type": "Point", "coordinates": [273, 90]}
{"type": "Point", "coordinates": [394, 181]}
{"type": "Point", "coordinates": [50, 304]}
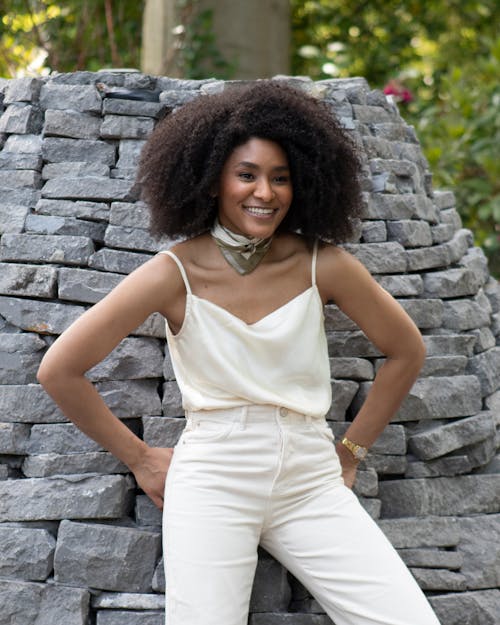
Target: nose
{"type": "Point", "coordinates": [264, 190]}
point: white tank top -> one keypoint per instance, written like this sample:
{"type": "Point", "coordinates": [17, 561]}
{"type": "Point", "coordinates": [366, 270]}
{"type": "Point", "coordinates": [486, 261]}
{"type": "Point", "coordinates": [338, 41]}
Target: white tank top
{"type": "Point", "coordinates": [220, 361]}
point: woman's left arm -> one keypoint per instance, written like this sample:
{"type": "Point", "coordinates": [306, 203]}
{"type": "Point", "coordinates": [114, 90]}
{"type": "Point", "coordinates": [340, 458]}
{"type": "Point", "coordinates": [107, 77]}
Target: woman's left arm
{"type": "Point", "coordinates": [343, 279]}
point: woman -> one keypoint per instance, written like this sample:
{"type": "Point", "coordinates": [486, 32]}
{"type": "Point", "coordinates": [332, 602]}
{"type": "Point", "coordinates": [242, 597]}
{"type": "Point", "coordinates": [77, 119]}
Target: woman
{"type": "Point", "coordinates": [256, 178]}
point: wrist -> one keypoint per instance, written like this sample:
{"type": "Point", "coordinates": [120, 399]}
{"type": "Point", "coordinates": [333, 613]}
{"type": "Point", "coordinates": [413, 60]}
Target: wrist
{"type": "Point", "coordinates": [358, 452]}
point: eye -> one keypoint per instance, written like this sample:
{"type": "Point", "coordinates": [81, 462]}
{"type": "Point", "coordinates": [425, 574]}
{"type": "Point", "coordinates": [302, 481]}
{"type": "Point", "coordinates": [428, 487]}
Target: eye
{"type": "Point", "coordinates": [244, 175]}
{"type": "Point", "coordinates": [282, 179]}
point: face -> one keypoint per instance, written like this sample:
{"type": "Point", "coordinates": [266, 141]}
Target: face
{"type": "Point", "coordinates": [255, 188]}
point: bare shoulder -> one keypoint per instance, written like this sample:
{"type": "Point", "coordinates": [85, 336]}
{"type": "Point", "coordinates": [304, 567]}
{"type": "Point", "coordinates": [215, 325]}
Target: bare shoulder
{"type": "Point", "coordinates": [339, 273]}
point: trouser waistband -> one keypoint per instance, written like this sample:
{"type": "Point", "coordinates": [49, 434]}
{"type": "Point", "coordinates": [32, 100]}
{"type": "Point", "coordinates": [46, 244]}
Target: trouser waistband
{"type": "Point", "coordinates": [254, 412]}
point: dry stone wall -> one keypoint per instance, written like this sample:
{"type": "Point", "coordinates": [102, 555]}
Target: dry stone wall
{"type": "Point", "coordinates": [78, 542]}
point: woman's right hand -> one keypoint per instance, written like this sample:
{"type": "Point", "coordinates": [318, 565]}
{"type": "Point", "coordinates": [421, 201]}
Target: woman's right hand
{"type": "Point", "coordinates": [151, 472]}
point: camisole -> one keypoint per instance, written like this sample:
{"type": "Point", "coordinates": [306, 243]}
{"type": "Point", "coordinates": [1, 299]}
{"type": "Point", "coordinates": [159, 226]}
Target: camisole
{"type": "Point", "coordinates": [220, 361]}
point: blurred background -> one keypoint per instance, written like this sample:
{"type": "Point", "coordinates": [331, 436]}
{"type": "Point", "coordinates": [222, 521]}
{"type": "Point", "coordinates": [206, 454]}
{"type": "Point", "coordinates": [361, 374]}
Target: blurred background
{"type": "Point", "coordinates": [438, 59]}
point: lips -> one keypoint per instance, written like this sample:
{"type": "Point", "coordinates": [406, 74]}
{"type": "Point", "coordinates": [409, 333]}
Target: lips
{"type": "Point", "coordinates": [257, 210]}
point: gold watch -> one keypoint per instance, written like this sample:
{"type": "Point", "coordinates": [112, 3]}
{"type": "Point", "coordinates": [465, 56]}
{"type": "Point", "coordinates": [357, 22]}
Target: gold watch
{"type": "Point", "coordinates": [358, 451]}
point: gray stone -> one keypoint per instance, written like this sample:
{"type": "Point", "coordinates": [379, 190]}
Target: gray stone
{"type": "Point", "coordinates": [464, 314]}
{"type": "Point", "coordinates": [130, 617]}
{"type": "Point", "coordinates": [280, 618]}
{"type": "Point", "coordinates": [131, 398]}
{"type": "Point", "coordinates": [71, 250]}
{"type": "Point", "coordinates": [439, 579]}
{"type": "Point", "coordinates": [129, 215]}
{"type": "Point", "coordinates": [366, 483]}
{"type": "Point", "coordinates": [162, 431]}
{"type": "Point", "coordinates": [131, 239]}
{"type": "Point", "coordinates": [93, 188]}
{"type": "Point", "coordinates": [46, 465]}
{"type": "Point", "coordinates": [442, 233]}
{"type": "Point", "coordinates": [21, 119]}
{"type": "Point", "coordinates": [12, 217]}
{"type": "Point", "coordinates": [480, 550]}
{"type": "Point", "coordinates": [129, 152]}
{"type": "Point", "coordinates": [409, 232]}
{"type": "Point", "coordinates": [446, 345]}
{"type": "Point", "coordinates": [68, 497]}
{"type": "Point", "coordinates": [74, 169]}
{"type": "Point", "coordinates": [492, 292]}
{"type": "Point", "coordinates": [440, 440]}
{"type": "Point", "coordinates": [27, 554]}
{"type": "Point", "coordinates": [154, 325]}
{"type": "Point", "coordinates": [401, 285]}
{"type": "Point", "coordinates": [493, 402]}
{"type": "Point", "coordinates": [159, 577]}
{"type": "Point", "coordinates": [59, 438]}
{"type": "Point", "coordinates": [444, 200]}
{"type": "Point", "coordinates": [14, 438]}
{"type": "Point", "coordinates": [41, 317]}
{"type": "Point", "coordinates": [21, 196]}
{"type": "Point", "coordinates": [114, 106]}
{"type": "Point", "coordinates": [461, 495]}
{"type": "Point", "coordinates": [19, 178]}
{"type": "Point", "coordinates": [414, 533]}
{"type": "Point", "coordinates": [132, 358]}
{"type": "Point", "coordinates": [51, 224]}
{"type": "Point", "coordinates": [81, 98]}
{"type": "Point", "coordinates": [443, 366]}
{"type": "Point", "coordinates": [336, 320]}
{"type": "Point", "coordinates": [128, 601]}
{"type": "Point", "coordinates": [392, 440]}
{"type": "Point", "coordinates": [172, 400]}
{"type": "Point", "coordinates": [271, 590]}
{"type": "Point", "coordinates": [351, 368]}
{"type": "Point", "coordinates": [11, 160]}
{"type": "Point", "coordinates": [385, 464]}
{"type": "Point", "coordinates": [380, 257]}
{"type": "Point", "coordinates": [23, 144]}
{"type": "Point", "coordinates": [350, 344]}
{"type": "Point", "coordinates": [371, 505]}
{"type": "Point", "coordinates": [117, 261]}
{"type": "Point", "coordinates": [471, 608]}
{"type": "Point", "coordinates": [343, 392]}
{"type": "Point", "coordinates": [168, 369]}
{"type": "Point", "coordinates": [26, 89]}
{"type": "Point", "coordinates": [486, 366]}
{"type": "Point", "coordinates": [428, 258]}
{"type": "Point", "coordinates": [20, 356]}
{"type": "Point", "coordinates": [33, 280]}
{"type": "Point", "coordinates": [29, 603]}
{"type": "Point", "coordinates": [434, 397]}
{"type": "Point", "coordinates": [485, 339]}
{"type": "Point", "coordinates": [459, 244]}
{"type": "Point", "coordinates": [126, 127]}
{"type": "Point", "coordinates": [76, 125]}
{"type": "Point", "coordinates": [374, 231]}
{"type": "Point", "coordinates": [147, 514]}
{"type": "Point", "coordinates": [426, 313]}
{"type": "Point", "coordinates": [94, 211]}
{"type": "Point", "coordinates": [432, 558]}
{"type": "Point", "coordinates": [56, 150]}
{"type": "Point", "coordinates": [451, 283]}
{"type": "Point", "coordinates": [82, 285]}
{"type": "Point", "coordinates": [391, 206]}
{"type": "Point", "coordinates": [106, 557]}
{"type": "Point", "coordinates": [27, 403]}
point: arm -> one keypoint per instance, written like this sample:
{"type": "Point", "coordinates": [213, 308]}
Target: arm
{"type": "Point", "coordinates": [90, 339]}
{"type": "Point", "coordinates": [345, 280]}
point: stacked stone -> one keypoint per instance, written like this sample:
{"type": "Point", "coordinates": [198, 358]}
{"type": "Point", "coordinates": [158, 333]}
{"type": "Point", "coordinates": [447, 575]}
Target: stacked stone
{"type": "Point", "coordinates": [78, 539]}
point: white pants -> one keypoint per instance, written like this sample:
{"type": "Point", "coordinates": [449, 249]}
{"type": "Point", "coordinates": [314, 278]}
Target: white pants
{"type": "Point", "coordinates": [263, 474]}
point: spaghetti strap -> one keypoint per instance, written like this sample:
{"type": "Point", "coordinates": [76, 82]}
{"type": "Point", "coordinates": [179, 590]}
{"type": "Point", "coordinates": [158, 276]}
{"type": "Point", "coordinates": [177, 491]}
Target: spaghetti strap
{"type": "Point", "coordinates": [313, 263]}
{"type": "Point", "coordinates": [181, 268]}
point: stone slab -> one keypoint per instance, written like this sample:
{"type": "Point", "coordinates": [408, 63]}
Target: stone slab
{"type": "Point", "coordinates": [81, 98]}
{"type": "Point", "coordinates": [50, 464]}
{"type": "Point", "coordinates": [27, 403]}
{"type": "Point", "coordinates": [27, 280]}
{"type": "Point", "coordinates": [401, 285]}
{"type": "Point", "coordinates": [486, 366]}
{"type": "Point", "coordinates": [461, 496]}
{"type": "Point", "coordinates": [128, 601]}
{"type": "Point", "coordinates": [38, 316]}
{"type": "Point", "coordinates": [451, 283]}
{"type": "Point", "coordinates": [14, 438]}
{"type": "Point", "coordinates": [74, 169]}
{"type": "Point", "coordinates": [130, 617]}
{"type": "Point", "coordinates": [70, 250]}
{"type": "Point", "coordinates": [105, 557]}
{"type": "Point", "coordinates": [74, 124]}
{"type": "Point", "coordinates": [52, 224]}
{"type": "Point", "coordinates": [82, 285]}
{"type": "Point", "coordinates": [162, 431]}
{"type": "Point", "coordinates": [132, 358]}
{"type": "Point", "coordinates": [68, 497]}
{"type": "Point", "coordinates": [117, 261]}
{"type": "Point", "coordinates": [172, 400]}
{"type": "Point", "coordinates": [12, 217]}
{"type": "Point", "coordinates": [413, 533]}
{"type": "Point", "coordinates": [439, 579]}
{"type": "Point", "coordinates": [131, 398]}
{"type": "Point", "coordinates": [126, 127]}
{"type": "Point", "coordinates": [20, 356]}
{"type": "Point", "coordinates": [56, 150]}
{"type": "Point", "coordinates": [379, 258]}
{"type": "Point", "coordinates": [432, 558]}
{"type": "Point", "coordinates": [473, 608]}
{"type": "Point", "coordinates": [93, 188]}
{"type": "Point", "coordinates": [96, 211]}
{"type": "Point", "coordinates": [27, 554]}
{"type": "Point", "coordinates": [480, 549]}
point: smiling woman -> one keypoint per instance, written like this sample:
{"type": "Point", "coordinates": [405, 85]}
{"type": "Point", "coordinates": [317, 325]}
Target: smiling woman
{"type": "Point", "coordinates": [256, 178]}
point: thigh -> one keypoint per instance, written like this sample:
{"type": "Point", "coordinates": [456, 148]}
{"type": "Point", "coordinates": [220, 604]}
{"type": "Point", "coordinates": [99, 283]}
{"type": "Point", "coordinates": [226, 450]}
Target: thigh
{"type": "Point", "coordinates": [210, 536]}
{"type": "Point", "coordinates": [341, 556]}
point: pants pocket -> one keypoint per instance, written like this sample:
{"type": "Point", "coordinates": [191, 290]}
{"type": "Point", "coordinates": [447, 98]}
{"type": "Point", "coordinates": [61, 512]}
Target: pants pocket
{"type": "Point", "coordinates": [324, 430]}
{"type": "Point", "coordinates": [206, 429]}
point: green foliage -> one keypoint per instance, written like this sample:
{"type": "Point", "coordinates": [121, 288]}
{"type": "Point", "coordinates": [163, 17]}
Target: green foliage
{"type": "Point", "coordinates": [37, 36]}
{"type": "Point", "coordinates": [445, 56]}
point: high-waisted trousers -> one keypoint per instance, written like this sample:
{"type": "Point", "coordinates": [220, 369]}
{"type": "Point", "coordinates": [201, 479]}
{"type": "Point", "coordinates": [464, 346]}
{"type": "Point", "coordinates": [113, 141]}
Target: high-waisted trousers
{"type": "Point", "coordinates": [267, 475]}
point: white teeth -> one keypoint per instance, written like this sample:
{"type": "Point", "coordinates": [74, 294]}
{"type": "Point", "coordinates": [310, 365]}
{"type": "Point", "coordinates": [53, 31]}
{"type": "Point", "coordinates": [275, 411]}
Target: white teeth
{"type": "Point", "coordinates": [259, 211]}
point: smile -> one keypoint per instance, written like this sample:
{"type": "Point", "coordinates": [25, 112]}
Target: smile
{"type": "Point", "coordinates": [256, 210]}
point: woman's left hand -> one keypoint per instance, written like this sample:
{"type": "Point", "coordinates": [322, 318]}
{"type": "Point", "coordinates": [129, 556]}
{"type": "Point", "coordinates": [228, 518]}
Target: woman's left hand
{"type": "Point", "coordinates": [349, 464]}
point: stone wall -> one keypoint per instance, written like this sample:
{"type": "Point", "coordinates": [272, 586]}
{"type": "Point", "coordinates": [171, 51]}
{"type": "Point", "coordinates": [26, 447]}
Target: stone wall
{"type": "Point", "coordinates": [78, 541]}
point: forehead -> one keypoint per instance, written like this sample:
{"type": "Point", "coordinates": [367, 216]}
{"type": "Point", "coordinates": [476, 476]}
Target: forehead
{"type": "Point", "coordinates": [258, 151]}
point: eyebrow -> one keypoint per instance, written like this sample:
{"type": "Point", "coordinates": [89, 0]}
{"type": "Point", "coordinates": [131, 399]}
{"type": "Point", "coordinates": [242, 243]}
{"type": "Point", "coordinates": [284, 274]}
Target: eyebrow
{"type": "Point", "coordinates": [254, 166]}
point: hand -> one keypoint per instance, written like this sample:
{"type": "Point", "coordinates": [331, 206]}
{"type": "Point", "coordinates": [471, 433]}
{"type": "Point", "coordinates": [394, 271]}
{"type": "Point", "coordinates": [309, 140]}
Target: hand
{"type": "Point", "coordinates": [151, 472]}
{"type": "Point", "coordinates": [349, 464]}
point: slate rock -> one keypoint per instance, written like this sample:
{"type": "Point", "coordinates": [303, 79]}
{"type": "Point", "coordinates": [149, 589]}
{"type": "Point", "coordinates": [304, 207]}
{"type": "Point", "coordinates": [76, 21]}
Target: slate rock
{"type": "Point", "coordinates": [486, 366]}
{"type": "Point", "coordinates": [147, 515]}
{"type": "Point", "coordinates": [12, 217]}
{"type": "Point", "coordinates": [172, 400]}
{"type": "Point", "coordinates": [38, 316]}
{"type": "Point", "coordinates": [68, 497]}
{"type": "Point", "coordinates": [130, 617]}
{"type": "Point", "coordinates": [126, 127]}
{"type": "Point", "coordinates": [480, 550]}
{"type": "Point", "coordinates": [50, 464]}
{"type": "Point", "coordinates": [25, 89]}
{"type": "Point", "coordinates": [443, 366]}
{"type": "Point", "coordinates": [56, 150]}
{"type": "Point", "coordinates": [439, 579]}
{"type": "Point", "coordinates": [14, 438]}
{"type": "Point", "coordinates": [27, 554]}
{"type": "Point", "coordinates": [67, 123]}
{"type": "Point", "coordinates": [131, 398]}
{"type": "Point", "coordinates": [20, 356]}
{"type": "Point", "coordinates": [132, 358]}
{"type": "Point", "coordinates": [74, 169]}
{"type": "Point", "coordinates": [93, 211]}
{"type": "Point", "coordinates": [386, 257]}
{"type": "Point", "coordinates": [351, 368]}
{"type": "Point", "coordinates": [473, 608]}
{"type": "Point", "coordinates": [81, 98]}
{"type": "Point", "coordinates": [162, 431]}
{"type": "Point", "coordinates": [462, 495]}
{"type": "Point", "coordinates": [431, 558]}
{"type": "Point", "coordinates": [450, 283]}
{"type": "Point", "coordinates": [401, 285]}
{"type": "Point", "coordinates": [426, 313]}
{"type": "Point", "coordinates": [82, 285]}
{"type": "Point", "coordinates": [50, 224]}
{"type": "Point", "coordinates": [27, 403]}
{"type": "Point", "coordinates": [70, 250]}
{"type": "Point", "coordinates": [343, 392]}
{"type": "Point", "coordinates": [411, 533]}
{"type": "Point", "coordinates": [128, 601]}
{"type": "Point", "coordinates": [409, 232]}
{"type": "Point", "coordinates": [94, 188]}
{"type": "Point", "coordinates": [27, 280]}
{"type": "Point", "coordinates": [59, 438]}
{"type": "Point", "coordinates": [105, 557]}
{"type": "Point", "coordinates": [117, 261]}
{"type": "Point", "coordinates": [271, 590]}
{"type": "Point", "coordinates": [21, 119]}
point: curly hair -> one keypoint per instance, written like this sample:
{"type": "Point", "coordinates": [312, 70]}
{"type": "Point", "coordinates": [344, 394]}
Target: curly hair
{"type": "Point", "coordinates": [182, 160]}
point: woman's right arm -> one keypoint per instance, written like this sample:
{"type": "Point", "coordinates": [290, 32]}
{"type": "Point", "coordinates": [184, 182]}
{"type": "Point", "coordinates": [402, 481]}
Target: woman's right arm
{"type": "Point", "coordinates": [155, 286]}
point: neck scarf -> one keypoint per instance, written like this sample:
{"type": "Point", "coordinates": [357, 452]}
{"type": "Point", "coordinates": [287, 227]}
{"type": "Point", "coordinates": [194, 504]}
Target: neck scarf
{"type": "Point", "coordinates": [241, 252]}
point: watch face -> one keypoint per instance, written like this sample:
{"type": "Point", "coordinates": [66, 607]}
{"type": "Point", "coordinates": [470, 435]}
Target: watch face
{"type": "Point", "coordinates": [360, 453]}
